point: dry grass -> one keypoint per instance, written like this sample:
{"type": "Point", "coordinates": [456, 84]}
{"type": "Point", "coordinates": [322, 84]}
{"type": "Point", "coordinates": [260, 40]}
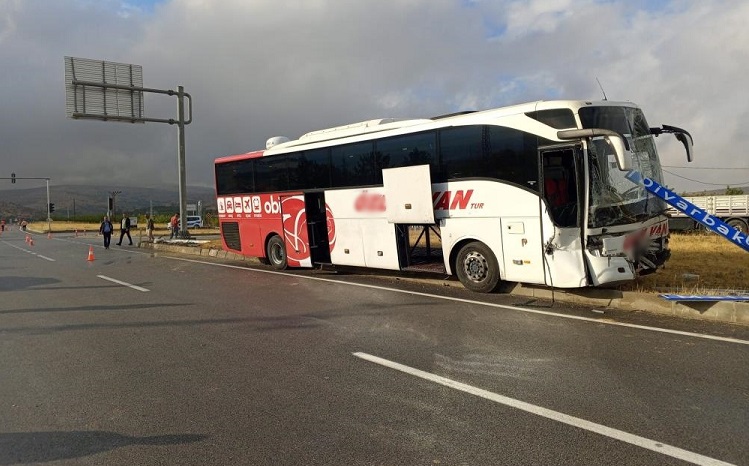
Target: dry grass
{"type": "Point", "coordinates": [710, 262]}
{"type": "Point", "coordinates": [62, 226]}
{"type": "Point", "coordinates": [699, 262]}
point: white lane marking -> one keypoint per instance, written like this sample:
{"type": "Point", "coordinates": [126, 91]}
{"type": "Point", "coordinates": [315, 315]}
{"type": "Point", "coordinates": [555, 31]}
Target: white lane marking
{"type": "Point", "coordinates": [479, 303]}
{"type": "Point", "coordinates": [29, 251]}
{"type": "Point", "coordinates": [130, 285]}
{"type": "Point", "coordinates": [600, 429]}
{"type": "Point", "coordinates": [132, 249]}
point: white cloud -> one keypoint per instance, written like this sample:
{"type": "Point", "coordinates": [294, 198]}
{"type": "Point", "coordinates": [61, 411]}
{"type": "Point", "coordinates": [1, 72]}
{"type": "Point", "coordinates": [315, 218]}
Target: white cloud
{"type": "Point", "coordinates": [263, 68]}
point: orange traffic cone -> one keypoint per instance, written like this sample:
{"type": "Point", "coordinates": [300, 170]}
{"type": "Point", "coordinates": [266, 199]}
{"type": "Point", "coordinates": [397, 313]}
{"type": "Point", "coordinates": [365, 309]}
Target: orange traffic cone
{"type": "Point", "coordinates": [49, 235]}
{"type": "Point", "coordinates": [90, 253]}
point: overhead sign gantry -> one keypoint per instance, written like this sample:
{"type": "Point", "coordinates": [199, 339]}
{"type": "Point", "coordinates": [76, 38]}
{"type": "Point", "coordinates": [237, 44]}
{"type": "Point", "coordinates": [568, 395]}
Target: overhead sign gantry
{"type": "Point", "coordinates": [109, 91]}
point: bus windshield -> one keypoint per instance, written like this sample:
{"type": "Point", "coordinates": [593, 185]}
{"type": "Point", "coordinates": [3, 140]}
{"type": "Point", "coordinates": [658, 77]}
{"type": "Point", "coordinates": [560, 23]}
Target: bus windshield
{"type": "Point", "coordinates": [614, 200]}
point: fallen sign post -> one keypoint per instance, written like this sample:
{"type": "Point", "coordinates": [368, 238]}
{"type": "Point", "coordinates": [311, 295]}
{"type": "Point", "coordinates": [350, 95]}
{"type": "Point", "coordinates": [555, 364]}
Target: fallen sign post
{"type": "Point", "coordinates": [707, 298]}
{"type": "Point", "coordinates": [713, 224]}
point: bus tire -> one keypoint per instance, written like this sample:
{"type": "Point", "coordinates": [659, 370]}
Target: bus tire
{"type": "Point", "coordinates": [738, 224]}
{"type": "Point", "coordinates": [275, 251]}
{"type": "Point", "coordinates": [477, 267]}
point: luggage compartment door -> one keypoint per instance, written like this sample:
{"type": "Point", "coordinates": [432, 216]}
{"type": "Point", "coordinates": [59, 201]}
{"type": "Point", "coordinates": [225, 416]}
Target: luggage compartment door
{"type": "Point", "coordinates": [408, 195]}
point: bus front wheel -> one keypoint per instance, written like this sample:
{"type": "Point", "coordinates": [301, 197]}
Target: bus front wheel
{"type": "Point", "coordinates": [276, 253]}
{"type": "Point", "coordinates": [477, 267]}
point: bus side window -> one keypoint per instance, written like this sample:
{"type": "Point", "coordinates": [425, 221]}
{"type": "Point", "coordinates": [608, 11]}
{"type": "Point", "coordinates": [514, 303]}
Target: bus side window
{"type": "Point", "coordinates": [353, 164]}
{"type": "Point", "coordinates": [406, 151]}
{"type": "Point", "coordinates": [512, 155]}
{"type": "Point", "coordinates": [461, 152]}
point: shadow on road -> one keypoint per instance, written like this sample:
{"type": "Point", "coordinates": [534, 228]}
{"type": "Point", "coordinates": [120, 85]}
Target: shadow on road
{"type": "Point", "coordinates": [20, 283]}
{"type": "Point", "coordinates": [98, 308]}
{"type": "Point", "coordinates": [43, 447]}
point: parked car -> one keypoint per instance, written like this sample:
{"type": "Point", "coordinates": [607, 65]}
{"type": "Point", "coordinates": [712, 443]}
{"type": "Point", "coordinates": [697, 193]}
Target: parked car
{"type": "Point", "coordinates": [194, 221]}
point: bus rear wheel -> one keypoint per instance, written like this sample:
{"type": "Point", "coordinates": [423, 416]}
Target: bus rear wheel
{"type": "Point", "coordinates": [477, 267]}
{"type": "Point", "coordinates": [276, 253]}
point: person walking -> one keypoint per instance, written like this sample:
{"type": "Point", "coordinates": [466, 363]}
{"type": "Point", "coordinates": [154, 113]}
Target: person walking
{"type": "Point", "coordinates": [125, 229]}
{"type": "Point", "coordinates": [149, 228]}
{"type": "Point", "coordinates": [105, 229]}
{"type": "Point", "coordinates": [174, 223]}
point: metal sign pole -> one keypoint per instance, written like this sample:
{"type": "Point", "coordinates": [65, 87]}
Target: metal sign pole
{"type": "Point", "coordinates": [181, 163]}
{"type": "Point", "coordinates": [49, 216]}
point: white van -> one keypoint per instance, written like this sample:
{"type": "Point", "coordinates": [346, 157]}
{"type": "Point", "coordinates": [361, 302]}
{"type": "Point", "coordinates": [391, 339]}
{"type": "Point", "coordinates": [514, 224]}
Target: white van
{"type": "Point", "coordinates": [194, 221]}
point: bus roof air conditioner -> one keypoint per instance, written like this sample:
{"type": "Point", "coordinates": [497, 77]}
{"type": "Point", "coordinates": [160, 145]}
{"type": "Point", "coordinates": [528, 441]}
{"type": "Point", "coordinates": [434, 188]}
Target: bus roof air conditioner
{"type": "Point", "coordinates": [274, 141]}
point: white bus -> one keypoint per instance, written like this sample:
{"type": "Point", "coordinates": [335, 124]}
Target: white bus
{"type": "Point", "coordinates": [532, 193]}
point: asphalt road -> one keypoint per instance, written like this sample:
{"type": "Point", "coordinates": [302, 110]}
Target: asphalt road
{"type": "Point", "coordinates": [136, 358]}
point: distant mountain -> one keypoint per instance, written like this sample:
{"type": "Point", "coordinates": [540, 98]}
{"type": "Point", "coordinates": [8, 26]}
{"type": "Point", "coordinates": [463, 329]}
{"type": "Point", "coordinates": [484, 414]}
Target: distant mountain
{"type": "Point", "coordinates": [74, 201]}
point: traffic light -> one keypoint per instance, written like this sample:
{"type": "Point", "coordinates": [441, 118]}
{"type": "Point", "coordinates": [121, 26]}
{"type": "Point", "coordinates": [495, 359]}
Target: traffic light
{"type": "Point", "coordinates": [12, 177]}
{"type": "Point", "coordinates": [51, 207]}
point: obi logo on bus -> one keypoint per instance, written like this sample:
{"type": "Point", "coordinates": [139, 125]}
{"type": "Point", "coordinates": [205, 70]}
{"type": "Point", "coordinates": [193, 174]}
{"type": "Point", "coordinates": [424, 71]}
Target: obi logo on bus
{"type": "Point", "coordinates": [449, 200]}
{"type": "Point", "coordinates": [272, 206]}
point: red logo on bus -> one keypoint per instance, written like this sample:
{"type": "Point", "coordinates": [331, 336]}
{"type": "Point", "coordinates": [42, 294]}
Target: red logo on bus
{"type": "Point", "coordinates": [295, 229]}
{"type": "Point", "coordinates": [447, 200]}
{"type": "Point", "coordinates": [330, 220]}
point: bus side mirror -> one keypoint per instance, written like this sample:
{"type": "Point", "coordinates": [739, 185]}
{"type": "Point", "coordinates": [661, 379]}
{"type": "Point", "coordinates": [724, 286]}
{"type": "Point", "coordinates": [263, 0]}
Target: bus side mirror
{"type": "Point", "coordinates": [623, 156]}
{"type": "Point", "coordinates": [615, 140]}
{"type": "Point", "coordinates": [681, 135]}
{"type": "Point", "coordinates": [686, 139]}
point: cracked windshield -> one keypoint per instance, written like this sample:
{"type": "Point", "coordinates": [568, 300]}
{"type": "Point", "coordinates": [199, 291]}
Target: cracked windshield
{"type": "Point", "coordinates": [614, 200]}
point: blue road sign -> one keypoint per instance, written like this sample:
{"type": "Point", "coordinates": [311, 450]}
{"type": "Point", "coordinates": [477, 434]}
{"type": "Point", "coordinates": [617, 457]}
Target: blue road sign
{"type": "Point", "coordinates": [713, 224]}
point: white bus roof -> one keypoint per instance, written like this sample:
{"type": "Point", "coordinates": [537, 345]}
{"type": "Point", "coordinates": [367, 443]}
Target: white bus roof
{"type": "Point", "coordinates": [323, 137]}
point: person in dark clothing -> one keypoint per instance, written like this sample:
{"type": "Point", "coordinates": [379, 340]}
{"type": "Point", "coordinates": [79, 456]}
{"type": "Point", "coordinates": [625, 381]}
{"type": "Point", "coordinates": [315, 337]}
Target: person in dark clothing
{"type": "Point", "coordinates": [125, 229]}
{"type": "Point", "coordinates": [105, 229]}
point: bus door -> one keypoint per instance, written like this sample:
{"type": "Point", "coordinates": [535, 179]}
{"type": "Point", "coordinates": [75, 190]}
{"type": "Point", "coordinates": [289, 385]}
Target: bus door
{"type": "Point", "coordinates": [317, 227]}
{"type": "Point", "coordinates": [293, 214]}
{"type": "Point", "coordinates": [563, 195]}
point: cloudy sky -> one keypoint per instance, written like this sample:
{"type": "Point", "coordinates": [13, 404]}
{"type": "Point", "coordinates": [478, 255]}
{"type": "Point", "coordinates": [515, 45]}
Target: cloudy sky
{"type": "Point", "coordinates": [262, 68]}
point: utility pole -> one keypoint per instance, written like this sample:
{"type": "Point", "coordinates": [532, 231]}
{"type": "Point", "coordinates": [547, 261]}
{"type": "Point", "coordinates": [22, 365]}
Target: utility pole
{"type": "Point", "coordinates": [113, 196]}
